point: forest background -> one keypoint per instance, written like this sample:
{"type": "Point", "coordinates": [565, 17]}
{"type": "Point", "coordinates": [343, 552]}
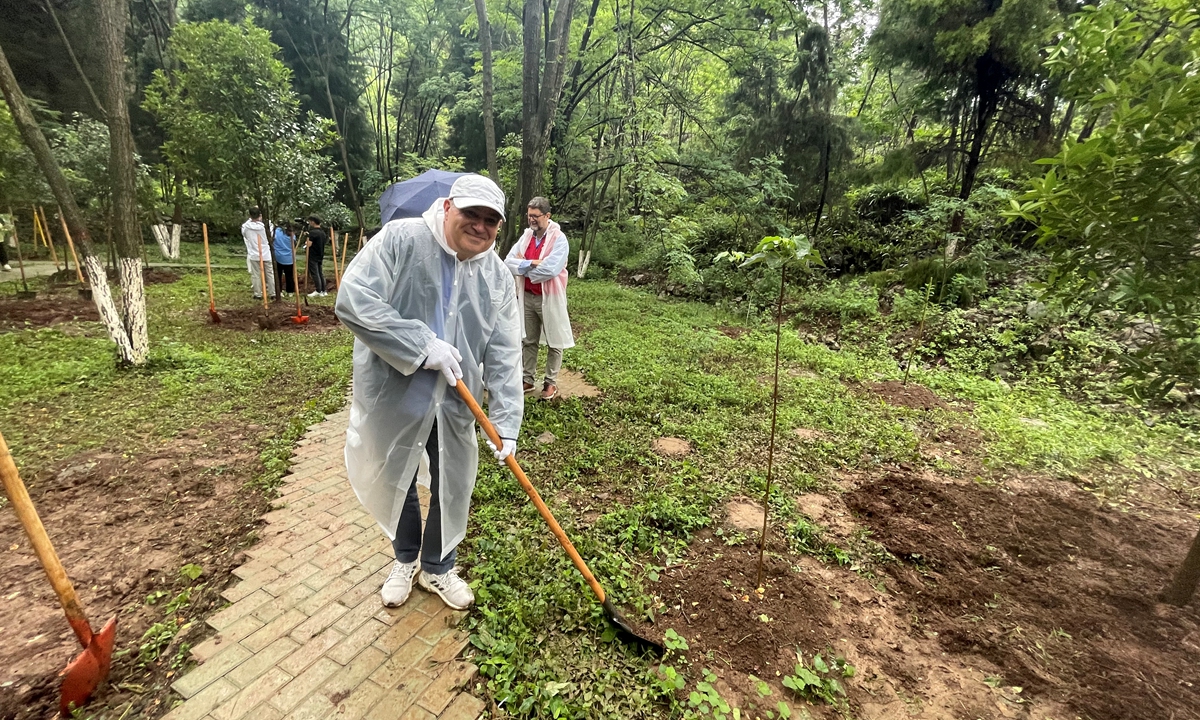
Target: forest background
{"type": "Point", "coordinates": [944, 154]}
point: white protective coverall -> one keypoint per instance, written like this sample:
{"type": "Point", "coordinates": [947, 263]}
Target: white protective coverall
{"type": "Point", "coordinates": [258, 245]}
{"type": "Point", "coordinates": [391, 296]}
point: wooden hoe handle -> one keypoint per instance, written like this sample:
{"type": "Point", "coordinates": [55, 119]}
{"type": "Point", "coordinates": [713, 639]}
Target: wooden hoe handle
{"type": "Point", "coordinates": [28, 516]}
{"type": "Point", "coordinates": [208, 266]}
{"type": "Point", "coordinates": [531, 491]}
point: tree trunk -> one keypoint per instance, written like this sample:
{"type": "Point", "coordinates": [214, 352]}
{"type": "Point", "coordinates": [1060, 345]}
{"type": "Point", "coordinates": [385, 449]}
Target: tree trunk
{"type": "Point", "coordinates": [824, 183]}
{"type": "Point", "coordinates": [531, 67]}
{"type": "Point", "coordinates": [539, 100]}
{"type": "Point", "coordinates": [114, 17]}
{"type": "Point", "coordinates": [1184, 586]}
{"type": "Point", "coordinates": [489, 119]}
{"type": "Point", "coordinates": [345, 156]}
{"type": "Point", "coordinates": [32, 135]}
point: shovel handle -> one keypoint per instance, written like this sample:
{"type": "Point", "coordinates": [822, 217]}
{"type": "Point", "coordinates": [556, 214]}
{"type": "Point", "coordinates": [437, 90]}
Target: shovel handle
{"type": "Point", "coordinates": [531, 491]}
{"type": "Point", "coordinates": [212, 300]}
{"type": "Point", "coordinates": [28, 516]}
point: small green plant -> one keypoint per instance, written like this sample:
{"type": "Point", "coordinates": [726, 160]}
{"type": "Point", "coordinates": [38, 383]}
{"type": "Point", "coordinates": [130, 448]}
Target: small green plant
{"type": "Point", "coordinates": [820, 681]}
{"type": "Point", "coordinates": [706, 701]}
{"type": "Point", "coordinates": [156, 639]}
{"type": "Point", "coordinates": [191, 571]}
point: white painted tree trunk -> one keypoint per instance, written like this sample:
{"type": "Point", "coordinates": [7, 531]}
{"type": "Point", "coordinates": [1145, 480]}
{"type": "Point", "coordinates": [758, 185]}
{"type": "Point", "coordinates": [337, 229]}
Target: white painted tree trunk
{"type": "Point", "coordinates": [167, 239]}
{"type": "Point", "coordinates": [102, 296]}
{"type": "Point", "coordinates": [585, 258]}
{"type": "Point", "coordinates": [133, 308]}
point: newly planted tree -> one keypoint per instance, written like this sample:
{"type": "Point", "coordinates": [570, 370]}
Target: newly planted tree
{"type": "Point", "coordinates": [795, 254]}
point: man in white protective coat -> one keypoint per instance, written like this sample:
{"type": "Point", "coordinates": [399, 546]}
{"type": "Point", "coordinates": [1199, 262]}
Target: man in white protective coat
{"type": "Point", "coordinates": [258, 247]}
{"type": "Point", "coordinates": [430, 305]}
{"type": "Point", "coordinates": [539, 262]}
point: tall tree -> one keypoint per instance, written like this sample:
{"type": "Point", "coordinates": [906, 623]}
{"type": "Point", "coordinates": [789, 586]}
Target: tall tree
{"type": "Point", "coordinates": [35, 140]}
{"type": "Point", "coordinates": [541, 89]}
{"type": "Point", "coordinates": [113, 20]}
{"type": "Point", "coordinates": [489, 117]}
{"type": "Point", "coordinates": [233, 122]}
{"type": "Point", "coordinates": [978, 53]}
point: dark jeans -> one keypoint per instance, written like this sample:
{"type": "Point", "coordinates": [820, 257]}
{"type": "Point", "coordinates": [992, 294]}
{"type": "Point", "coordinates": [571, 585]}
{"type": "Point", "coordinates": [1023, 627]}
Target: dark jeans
{"type": "Point", "coordinates": [284, 277]}
{"type": "Point", "coordinates": [3, 251]}
{"type": "Point", "coordinates": [315, 274]}
{"type": "Point", "coordinates": [408, 531]}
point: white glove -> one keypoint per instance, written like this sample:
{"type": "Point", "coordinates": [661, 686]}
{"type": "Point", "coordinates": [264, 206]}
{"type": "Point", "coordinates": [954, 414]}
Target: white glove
{"type": "Point", "coordinates": [444, 357]}
{"type": "Point", "coordinates": [507, 447]}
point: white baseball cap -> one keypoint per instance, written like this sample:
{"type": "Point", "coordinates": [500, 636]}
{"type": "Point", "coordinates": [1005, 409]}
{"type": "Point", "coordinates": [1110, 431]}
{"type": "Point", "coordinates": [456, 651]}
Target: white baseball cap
{"type": "Point", "coordinates": [475, 191]}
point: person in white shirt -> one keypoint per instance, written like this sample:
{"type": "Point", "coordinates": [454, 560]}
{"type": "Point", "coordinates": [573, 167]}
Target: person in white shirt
{"type": "Point", "coordinates": [258, 246]}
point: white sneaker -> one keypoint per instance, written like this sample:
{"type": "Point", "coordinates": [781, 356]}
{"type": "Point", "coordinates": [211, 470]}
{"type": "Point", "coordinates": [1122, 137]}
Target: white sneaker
{"type": "Point", "coordinates": [450, 587]}
{"type": "Point", "coordinates": [314, 293]}
{"type": "Point", "coordinates": [324, 294]}
{"type": "Point", "coordinates": [398, 584]}
{"type": "Point", "coordinates": [7, 267]}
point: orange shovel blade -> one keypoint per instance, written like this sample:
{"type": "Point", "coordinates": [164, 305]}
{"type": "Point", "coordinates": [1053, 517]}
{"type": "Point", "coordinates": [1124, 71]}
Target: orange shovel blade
{"type": "Point", "coordinates": [89, 669]}
{"type": "Point", "coordinates": [299, 319]}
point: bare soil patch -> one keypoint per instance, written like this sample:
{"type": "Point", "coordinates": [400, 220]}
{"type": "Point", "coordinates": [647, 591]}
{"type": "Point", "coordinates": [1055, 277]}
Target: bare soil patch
{"type": "Point", "coordinates": [914, 396]}
{"type": "Point", "coordinates": [744, 514]}
{"type": "Point", "coordinates": [159, 276]}
{"type": "Point", "coordinates": [671, 447]}
{"type": "Point", "coordinates": [1027, 602]}
{"type": "Point", "coordinates": [806, 607]}
{"type": "Point", "coordinates": [46, 310]}
{"type": "Point", "coordinates": [321, 318]}
{"type": "Point", "coordinates": [732, 331]}
{"type": "Point", "coordinates": [123, 528]}
{"type": "Point", "coordinates": [1054, 589]}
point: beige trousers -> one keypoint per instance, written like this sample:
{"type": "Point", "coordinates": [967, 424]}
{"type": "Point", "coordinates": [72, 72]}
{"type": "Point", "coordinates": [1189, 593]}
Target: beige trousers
{"type": "Point", "coordinates": [529, 345]}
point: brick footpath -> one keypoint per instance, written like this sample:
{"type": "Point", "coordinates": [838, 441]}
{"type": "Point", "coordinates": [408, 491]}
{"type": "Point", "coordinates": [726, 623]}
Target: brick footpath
{"type": "Point", "coordinates": [306, 636]}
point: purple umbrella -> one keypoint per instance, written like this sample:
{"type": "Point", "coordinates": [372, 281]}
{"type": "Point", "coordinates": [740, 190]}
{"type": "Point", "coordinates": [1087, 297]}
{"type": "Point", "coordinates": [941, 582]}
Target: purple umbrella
{"type": "Point", "coordinates": [411, 198]}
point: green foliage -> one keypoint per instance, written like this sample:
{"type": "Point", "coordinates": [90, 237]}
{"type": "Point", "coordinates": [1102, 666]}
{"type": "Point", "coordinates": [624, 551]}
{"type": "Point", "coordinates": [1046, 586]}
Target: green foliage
{"type": "Point", "coordinates": [844, 301]}
{"type": "Point", "coordinates": [1119, 209]}
{"type": "Point", "coordinates": [961, 281]}
{"type": "Point", "coordinates": [820, 681]}
{"type": "Point", "coordinates": [233, 122]}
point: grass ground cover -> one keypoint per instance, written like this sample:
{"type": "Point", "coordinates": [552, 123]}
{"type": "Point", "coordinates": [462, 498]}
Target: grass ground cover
{"type": "Point", "coordinates": [676, 369]}
{"type": "Point", "coordinates": [149, 481]}
{"type": "Point", "coordinates": [666, 369]}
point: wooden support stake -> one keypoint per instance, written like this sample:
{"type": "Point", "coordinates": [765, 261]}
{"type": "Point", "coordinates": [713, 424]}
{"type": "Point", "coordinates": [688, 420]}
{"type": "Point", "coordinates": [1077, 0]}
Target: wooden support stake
{"type": "Point", "coordinates": [337, 273]}
{"type": "Point", "coordinates": [71, 245]}
{"type": "Point", "coordinates": [46, 236]}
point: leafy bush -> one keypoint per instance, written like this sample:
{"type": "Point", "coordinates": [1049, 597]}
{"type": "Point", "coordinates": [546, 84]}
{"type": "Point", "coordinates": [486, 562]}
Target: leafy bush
{"type": "Point", "coordinates": [961, 281]}
{"type": "Point", "coordinates": [845, 301]}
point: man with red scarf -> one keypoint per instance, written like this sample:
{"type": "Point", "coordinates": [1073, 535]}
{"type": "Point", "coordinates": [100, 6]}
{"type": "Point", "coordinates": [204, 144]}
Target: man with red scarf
{"type": "Point", "coordinates": [539, 262]}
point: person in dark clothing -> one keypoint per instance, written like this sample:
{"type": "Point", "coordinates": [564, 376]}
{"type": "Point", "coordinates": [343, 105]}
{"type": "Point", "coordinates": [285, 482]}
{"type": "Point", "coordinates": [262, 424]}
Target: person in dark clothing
{"type": "Point", "coordinates": [317, 240]}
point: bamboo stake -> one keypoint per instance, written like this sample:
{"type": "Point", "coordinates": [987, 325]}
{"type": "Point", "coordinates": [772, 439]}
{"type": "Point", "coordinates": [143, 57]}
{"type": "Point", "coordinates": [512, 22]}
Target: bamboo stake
{"type": "Point", "coordinates": [337, 273]}
{"type": "Point", "coordinates": [262, 273]}
{"type": "Point", "coordinates": [71, 245]}
{"type": "Point", "coordinates": [346, 246]}
{"type": "Point", "coordinates": [360, 239]}
{"type": "Point", "coordinates": [17, 242]}
{"type": "Point", "coordinates": [47, 237]}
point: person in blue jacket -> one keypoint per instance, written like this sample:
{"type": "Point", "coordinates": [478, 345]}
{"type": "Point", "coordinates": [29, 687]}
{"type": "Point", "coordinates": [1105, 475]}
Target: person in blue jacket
{"type": "Point", "coordinates": [284, 258]}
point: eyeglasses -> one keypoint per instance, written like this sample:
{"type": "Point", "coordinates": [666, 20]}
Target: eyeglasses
{"type": "Point", "coordinates": [534, 216]}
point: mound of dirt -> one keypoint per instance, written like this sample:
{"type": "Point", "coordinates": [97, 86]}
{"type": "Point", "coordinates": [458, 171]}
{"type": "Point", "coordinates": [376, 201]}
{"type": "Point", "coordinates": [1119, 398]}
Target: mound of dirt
{"type": "Point", "coordinates": [911, 395]}
{"type": "Point", "coordinates": [1052, 588]}
{"type": "Point", "coordinates": [159, 276]}
{"type": "Point", "coordinates": [321, 318]}
{"type": "Point", "coordinates": [744, 514]}
{"type": "Point", "coordinates": [671, 447]}
{"type": "Point", "coordinates": [45, 310]}
{"type": "Point", "coordinates": [123, 529]}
